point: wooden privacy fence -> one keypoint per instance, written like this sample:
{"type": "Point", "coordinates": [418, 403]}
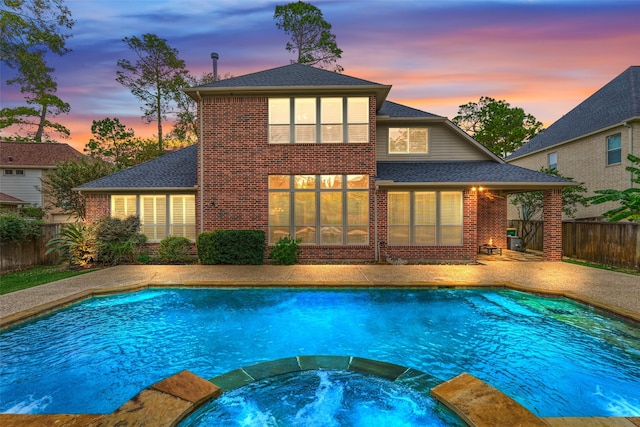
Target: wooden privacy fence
{"type": "Point", "coordinates": [16, 256]}
{"type": "Point", "coordinates": [615, 244]}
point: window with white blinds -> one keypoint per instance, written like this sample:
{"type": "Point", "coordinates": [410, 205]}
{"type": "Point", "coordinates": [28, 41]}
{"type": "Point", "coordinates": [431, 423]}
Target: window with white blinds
{"type": "Point", "coordinates": [327, 120]}
{"type": "Point", "coordinates": [183, 216]}
{"type": "Point", "coordinates": [425, 218]}
{"type": "Point", "coordinates": [123, 206]}
{"type": "Point", "coordinates": [153, 217]}
{"type": "Point", "coordinates": [161, 215]}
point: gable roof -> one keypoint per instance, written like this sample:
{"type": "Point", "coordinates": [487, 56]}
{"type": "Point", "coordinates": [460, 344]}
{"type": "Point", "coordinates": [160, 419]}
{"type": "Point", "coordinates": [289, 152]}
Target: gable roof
{"type": "Point", "coordinates": [6, 199]}
{"type": "Point", "coordinates": [456, 174]}
{"type": "Point", "coordinates": [288, 78]}
{"type": "Point", "coordinates": [43, 155]}
{"type": "Point", "coordinates": [395, 110]}
{"type": "Point", "coordinates": [177, 170]}
{"type": "Point", "coordinates": [616, 102]}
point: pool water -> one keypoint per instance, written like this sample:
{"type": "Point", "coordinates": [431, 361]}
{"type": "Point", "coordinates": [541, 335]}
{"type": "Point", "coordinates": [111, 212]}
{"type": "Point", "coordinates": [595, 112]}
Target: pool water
{"type": "Point", "coordinates": [554, 356]}
{"type": "Point", "coordinates": [323, 399]}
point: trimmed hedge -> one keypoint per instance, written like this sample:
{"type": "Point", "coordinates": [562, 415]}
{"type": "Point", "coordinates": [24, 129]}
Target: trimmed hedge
{"type": "Point", "coordinates": [231, 247]}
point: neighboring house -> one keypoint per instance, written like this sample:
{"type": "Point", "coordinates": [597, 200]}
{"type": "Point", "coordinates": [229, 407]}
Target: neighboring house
{"type": "Point", "coordinates": [324, 157]}
{"type": "Point", "coordinates": [591, 142]}
{"type": "Point", "coordinates": [24, 164]}
{"type": "Point", "coordinates": [10, 203]}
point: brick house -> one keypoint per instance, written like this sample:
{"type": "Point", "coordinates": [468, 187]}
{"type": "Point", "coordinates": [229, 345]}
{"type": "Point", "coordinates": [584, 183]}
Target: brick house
{"type": "Point", "coordinates": [591, 142]}
{"type": "Point", "coordinates": [22, 167]}
{"type": "Point", "coordinates": [324, 157]}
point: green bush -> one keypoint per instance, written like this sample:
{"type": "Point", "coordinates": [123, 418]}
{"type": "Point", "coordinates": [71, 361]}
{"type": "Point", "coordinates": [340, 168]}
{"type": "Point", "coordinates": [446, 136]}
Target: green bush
{"type": "Point", "coordinates": [174, 250]}
{"type": "Point", "coordinates": [76, 245]}
{"type": "Point", "coordinates": [231, 247]}
{"type": "Point", "coordinates": [286, 251]}
{"type": "Point", "coordinates": [31, 211]}
{"type": "Point", "coordinates": [118, 240]}
{"type": "Point", "coordinates": [15, 228]}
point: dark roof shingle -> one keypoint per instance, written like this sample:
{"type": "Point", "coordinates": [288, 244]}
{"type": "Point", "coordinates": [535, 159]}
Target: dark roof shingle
{"type": "Point", "coordinates": [290, 75]}
{"type": "Point", "coordinates": [463, 172]}
{"type": "Point", "coordinates": [177, 169]}
{"type": "Point", "coordinates": [614, 103]}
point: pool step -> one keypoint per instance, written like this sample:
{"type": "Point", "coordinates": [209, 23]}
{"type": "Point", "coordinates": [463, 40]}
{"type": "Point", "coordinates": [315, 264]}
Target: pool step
{"type": "Point", "coordinates": [481, 405]}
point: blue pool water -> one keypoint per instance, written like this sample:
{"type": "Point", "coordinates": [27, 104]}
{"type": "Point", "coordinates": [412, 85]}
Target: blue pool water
{"type": "Point", "coordinates": [556, 357]}
{"type": "Point", "coordinates": [323, 399]}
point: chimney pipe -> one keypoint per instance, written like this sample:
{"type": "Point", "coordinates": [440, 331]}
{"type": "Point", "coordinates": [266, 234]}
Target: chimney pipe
{"type": "Point", "coordinates": [214, 57]}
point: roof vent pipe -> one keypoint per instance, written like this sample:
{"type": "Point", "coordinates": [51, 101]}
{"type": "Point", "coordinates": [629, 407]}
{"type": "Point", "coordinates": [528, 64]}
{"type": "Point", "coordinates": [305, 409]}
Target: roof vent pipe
{"type": "Point", "coordinates": [214, 57]}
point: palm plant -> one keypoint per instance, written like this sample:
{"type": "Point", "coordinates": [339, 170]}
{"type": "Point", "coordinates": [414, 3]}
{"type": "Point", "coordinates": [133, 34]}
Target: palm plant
{"type": "Point", "coordinates": [75, 244]}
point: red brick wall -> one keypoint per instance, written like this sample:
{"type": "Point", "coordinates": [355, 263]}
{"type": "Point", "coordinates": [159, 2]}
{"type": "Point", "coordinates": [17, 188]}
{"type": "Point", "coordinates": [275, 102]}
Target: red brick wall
{"type": "Point", "coordinates": [97, 206]}
{"type": "Point", "coordinates": [238, 160]}
{"type": "Point", "coordinates": [492, 218]}
{"type": "Point", "coordinates": [552, 225]}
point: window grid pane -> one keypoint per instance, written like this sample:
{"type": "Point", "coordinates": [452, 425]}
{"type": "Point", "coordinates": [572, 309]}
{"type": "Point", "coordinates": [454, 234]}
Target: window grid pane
{"type": "Point", "coordinates": [319, 209]}
{"type": "Point", "coordinates": [614, 149]}
{"type": "Point", "coordinates": [425, 218]}
{"type": "Point", "coordinates": [153, 217]}
{"type": "Point", "coordinates": [183, 216]}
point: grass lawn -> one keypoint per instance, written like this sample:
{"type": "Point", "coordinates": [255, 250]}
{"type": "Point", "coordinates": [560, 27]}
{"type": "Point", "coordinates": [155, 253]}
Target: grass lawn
{"type": "Point", "coordinates": [11, 282]}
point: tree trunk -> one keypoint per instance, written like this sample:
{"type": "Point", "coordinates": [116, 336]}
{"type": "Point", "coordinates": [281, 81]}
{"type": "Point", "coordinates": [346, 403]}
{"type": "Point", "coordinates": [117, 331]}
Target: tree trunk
{"type": "Point", "coordinates": [40, 131]}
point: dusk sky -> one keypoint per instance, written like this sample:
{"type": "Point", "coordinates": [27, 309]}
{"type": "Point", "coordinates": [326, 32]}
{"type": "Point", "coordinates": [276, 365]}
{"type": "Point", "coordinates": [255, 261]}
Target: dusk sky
{"type": "Point", "coordinates": [543, 56]}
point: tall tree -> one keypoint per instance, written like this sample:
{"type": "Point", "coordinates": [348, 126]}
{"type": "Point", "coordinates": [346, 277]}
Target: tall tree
{"type": "Point", "coordinates": [58, 183]}
{"type": "Point", "coordinates": [186, 125]}
{"type": "Point", "coordinates": [155, 78]}
{"type": "Point", "coordinates": [496, 125]}
{"type": "Point", "coordinates": [311, 36]}
{"type": "Point", "coordinates": [113, 142]}
{"type": "Point", "coordinates": [629, 198]}
{"type": "Point", "coordinates": [31, 29]}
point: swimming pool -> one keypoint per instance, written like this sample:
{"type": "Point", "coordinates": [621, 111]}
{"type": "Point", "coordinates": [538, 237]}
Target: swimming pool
{"type": "Point", "coordinates": [554, 356]}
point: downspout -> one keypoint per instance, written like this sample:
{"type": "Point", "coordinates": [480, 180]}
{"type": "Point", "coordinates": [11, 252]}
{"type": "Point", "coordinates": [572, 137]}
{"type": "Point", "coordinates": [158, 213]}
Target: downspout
{"type": "Point", "coordinates": [375, 225]}
{"type": "Point", "coordinates": [201, 154]}
{"type": "Point", "coordinates": [628, 126]}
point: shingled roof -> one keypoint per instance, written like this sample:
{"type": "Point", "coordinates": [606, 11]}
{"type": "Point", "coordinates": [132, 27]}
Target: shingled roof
{"type": "Point", "coordinates": [471, 172]}
{"type": "Point", "coordinates": [291, 75]}
{"type": "Point", "coordinates": [617, 101]}
{"type": "Point", "coordinates": [394, 110]}
{"type": "Point", "coordinates": [43, 155]}
{"type": "Point", "coordinates": [175, 170]}
{"type": "Point", "coordinates": [289, 78]}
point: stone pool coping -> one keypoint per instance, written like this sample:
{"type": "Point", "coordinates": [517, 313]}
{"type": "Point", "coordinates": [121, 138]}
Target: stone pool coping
{"type": "Point", "coordinates": [617, 293]}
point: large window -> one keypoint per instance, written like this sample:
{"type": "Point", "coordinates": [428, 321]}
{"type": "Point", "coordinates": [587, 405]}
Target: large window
{"type": "Point", "coordinates": [425, 218]}
{"type": "Point", "coordinates": [319, 209]}
{"type": "Point", "coordinates": [318, 120]}
{"type": "Point", "coordinates": [161, 215]}
{"type": "Point", "coordinates": [408, 141]}
{"type": "Point", "coordinates": [614, 149]}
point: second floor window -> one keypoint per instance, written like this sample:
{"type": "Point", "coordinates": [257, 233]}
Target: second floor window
{"type": "Point", "coordinates": [408, 141]}
{"type": "Point", "coordinates": [614, 149]}
{"type": "Point", "coordinates": [553, 160]}
{"type": "Point", "coordinates": [318, 120]}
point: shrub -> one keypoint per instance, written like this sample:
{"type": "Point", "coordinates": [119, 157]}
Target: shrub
{"type": "Point", "coordinates": [15, 228]}
{"type": "Point", "coordinates": [76, 245]}
{"type": "Point", "coordinates": [231, 247]}
{"type": "Point", "coordinates": [174, 250]}
{"type": "Point", "coordinates": [31, 211]}
{"type": "Point", "coordinates": [286, 251]}
{"type": "Point", "coordinates": [118, 240]}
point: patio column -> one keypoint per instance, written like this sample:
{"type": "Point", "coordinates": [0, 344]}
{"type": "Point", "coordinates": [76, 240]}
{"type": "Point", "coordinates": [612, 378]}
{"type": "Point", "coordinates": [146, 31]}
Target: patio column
{"type": "Point", "coordinates": [552, 225]}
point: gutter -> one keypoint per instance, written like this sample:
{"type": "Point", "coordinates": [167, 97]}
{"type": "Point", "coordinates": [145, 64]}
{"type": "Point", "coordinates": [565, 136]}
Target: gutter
{"type": "Point", "coordinates": [201, 155]}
